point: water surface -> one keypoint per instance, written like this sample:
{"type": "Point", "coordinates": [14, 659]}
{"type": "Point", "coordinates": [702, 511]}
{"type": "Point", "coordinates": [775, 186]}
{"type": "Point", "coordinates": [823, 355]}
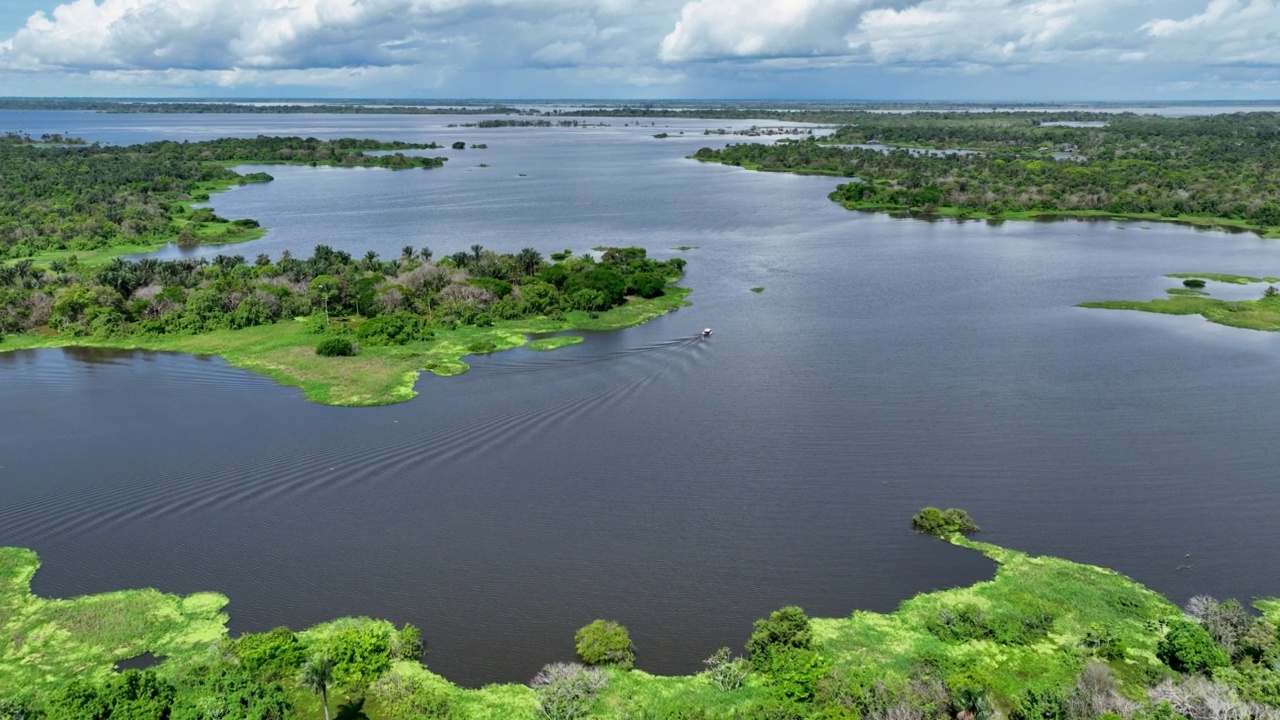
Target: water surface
{"type": "Point", "coordinates": [682, 487]}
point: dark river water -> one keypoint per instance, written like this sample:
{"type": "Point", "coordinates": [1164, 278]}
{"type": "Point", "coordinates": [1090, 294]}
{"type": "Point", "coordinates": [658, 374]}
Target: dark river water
{"type": "Point", "coordinates": [681, 487]}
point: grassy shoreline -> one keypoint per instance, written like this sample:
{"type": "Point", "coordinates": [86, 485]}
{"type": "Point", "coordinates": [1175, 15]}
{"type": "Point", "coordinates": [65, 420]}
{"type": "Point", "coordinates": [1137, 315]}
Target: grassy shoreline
{"type": "Point", "coordinates": [285, 351]}
{"type": "Point", "coordinates": [46, 642]}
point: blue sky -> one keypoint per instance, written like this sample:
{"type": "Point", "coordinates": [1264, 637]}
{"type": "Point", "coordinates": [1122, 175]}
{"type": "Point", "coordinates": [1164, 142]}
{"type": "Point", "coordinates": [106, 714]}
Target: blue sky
{"type": "Point", "coordinates": [1036, 50]}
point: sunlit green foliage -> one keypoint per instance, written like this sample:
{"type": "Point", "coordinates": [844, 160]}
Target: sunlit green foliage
{"type": "Point", "coordinates": [605, 642]}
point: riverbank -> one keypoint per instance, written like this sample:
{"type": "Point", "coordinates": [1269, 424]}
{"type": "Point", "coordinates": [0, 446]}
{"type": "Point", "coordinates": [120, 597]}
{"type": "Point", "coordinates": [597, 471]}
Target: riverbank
{"type": "Point", "coordinates": [1029, 632]}
{"type": "Point", "coordinates": [285, 351]}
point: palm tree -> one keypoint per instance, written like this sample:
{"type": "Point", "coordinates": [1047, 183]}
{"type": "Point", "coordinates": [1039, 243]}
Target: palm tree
{"type": "Point", "coordinates": [316, 676]}
{"type": "Point", "coordinates": [425, 254]}
{"type": "Point", "coordinates": [476, 250]}
{"type": "Point", "coordinates": [371, 259]}
{"type": "Point", "coordinates": [406, 252]}
{"type": "Point", "coordinates": [528, 260]}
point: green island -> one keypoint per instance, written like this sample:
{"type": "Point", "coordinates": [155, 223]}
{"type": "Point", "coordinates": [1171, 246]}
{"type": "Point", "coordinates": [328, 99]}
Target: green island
{"type": "Point", "coordinates": [347, 331]}
{"type": "Point", "coordinates": [98, 202]}
{"type": "Point", "coordinates": [1262, 313]}
{"type": "Point", "coordinates": [1213, 171]}
{"type": "Point", "coordinates": [1044, 639]}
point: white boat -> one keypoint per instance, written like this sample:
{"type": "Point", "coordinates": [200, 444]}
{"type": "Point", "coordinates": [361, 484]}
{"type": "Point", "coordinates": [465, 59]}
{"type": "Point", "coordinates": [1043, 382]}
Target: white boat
{"type": "Point", "coordinates": [706, 332]}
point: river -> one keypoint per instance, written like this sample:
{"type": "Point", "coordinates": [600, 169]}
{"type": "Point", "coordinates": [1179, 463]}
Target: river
{"type": "Point", "coordinates": [682, 487]}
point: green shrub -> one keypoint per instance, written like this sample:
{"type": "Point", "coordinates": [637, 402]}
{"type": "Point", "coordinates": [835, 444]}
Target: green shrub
{"type": "Point", "coordinates": [604, 642]}
{"type": "Point", "coordinates": [413, 697]}
{"type": "Point", "coordinates": [1042, 704]}
{"type": "Point", "coordinates": [399, 328]}
{"type": "Point", "coordinates": [646, 285]}
{"type": "Point", "coordinates": [482, 347]}
{"type": "Point", "coordinates": [1194, 283]}
{"type": "Point", "coordinates": [273, 655]}
{"type": "Point", "coordinates": [1103, 642]}
{"type": "Point", "coordinates": [406, 644]}
{"type": "Point", "coordinates": [1188, 648]}
{"type": "Point", "coordinates": [943, 523]}
{"type": "Point", "coordinates": [793, 673]}
{"type": "Point", "coordinates": [335, 347]}
{"type": "Point", "coordinates": [788, 627]}
{"type": "Point", "coordinates": [725, 671]}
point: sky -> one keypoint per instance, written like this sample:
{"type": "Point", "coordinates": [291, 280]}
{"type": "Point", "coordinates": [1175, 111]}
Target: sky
{"type": "Point", "coordinates": [980, 50]}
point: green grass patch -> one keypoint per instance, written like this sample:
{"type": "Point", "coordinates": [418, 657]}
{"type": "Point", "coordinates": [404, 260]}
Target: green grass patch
{"type": "Point", "coordinates": [683, 248]}
{"type": "Point", "coordinates": [555, 342]}
{"type": "Point", "coordinates": [757, 289]}
{"type": "Point", "coordinates": [285, 351]}
{"type": "Point", "coordinates": [1224, 278]}
{"type": "Point", "coordinates": [1021, 629]}
{"type": "Point", "coordinates": [1187, 292]}
{"type": "Point", "coordinates": [46, 642]}
{"type": "Point", "coordinates": [1261, 314]}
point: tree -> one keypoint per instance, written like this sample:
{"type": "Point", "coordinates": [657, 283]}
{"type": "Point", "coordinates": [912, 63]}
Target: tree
{"type": "Point", "coordinates": [1188, 648]}
{"type": "Point", "coordinates": [459, 145]}
{"type": "Point", "coordinates": [785, 628]}
{"type": "Point", "coordinates": [316, 676]}
{"type": "Point", "coordinates": [528, 260]}
{"type": "Point", "coordinates": [324, 288]}
{"type": "Point", "coordinates": [605, 642]}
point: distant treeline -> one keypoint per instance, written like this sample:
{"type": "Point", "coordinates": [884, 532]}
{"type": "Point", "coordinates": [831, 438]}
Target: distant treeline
{"type": "Point", "coordinates": [1225, 167]}
{"type": "Point", "coordinates": [267, 108]}
{"type": "Point", "coordinates": [93, 197]}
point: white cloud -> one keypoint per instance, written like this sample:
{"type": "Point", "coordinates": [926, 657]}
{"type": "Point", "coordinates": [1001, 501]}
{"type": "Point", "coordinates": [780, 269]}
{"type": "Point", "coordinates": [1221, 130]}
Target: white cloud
{"type": "Point", "coordinates": [274, 35]}
{"type": "Point", "coordinates": [534, 47]}
{"type": "Point", "coordinates": [758, 28]}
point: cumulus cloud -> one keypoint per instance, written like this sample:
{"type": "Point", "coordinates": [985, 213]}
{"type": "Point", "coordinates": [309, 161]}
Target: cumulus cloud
{"type": "Point", "coordinates": [758, 28]}
{"type": "Point", "coordinates": [268, 35]}
{"type": "Point", "coordinates": [417, 45]}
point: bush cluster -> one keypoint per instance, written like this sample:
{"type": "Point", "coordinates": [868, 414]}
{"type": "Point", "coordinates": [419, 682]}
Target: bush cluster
{"type": "Point", "coordinates": [943, 523]}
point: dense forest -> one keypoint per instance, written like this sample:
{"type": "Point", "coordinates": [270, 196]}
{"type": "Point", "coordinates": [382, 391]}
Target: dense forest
{"type": "Point", "coordinates": [83, 198]}
{"type": "Point", "coordinates": [1224, 168]}
{"type": "Point", "coordinates": [382, 302]}
{"type": "Point", "coordinates": [1045, 639]}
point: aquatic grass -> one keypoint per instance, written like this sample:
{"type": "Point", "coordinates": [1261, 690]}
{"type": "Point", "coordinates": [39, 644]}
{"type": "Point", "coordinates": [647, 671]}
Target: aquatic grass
{"type": "Point", "coordinates": [285, 351]}
{"type": "Point", "coordinates": [1262, 314]}
{"type": "Point", "coordinates": [1188, 292]}
{"type": "Point", "coordinates": [556, 342]}
{"type": "Point", "coordinates": [45, 642]}
{"type": "Point", "coordinates": [1224, 278]}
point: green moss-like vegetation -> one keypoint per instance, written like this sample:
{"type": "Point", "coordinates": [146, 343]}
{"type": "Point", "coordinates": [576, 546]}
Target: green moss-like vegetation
{"type": "Point", "coordinates": [757, 289]}
{"type": "Point", "coordinates": [1260, 314]}
{"type": "Point", "coordinates": [45, 642]}
{"type": "Point", "coordinates": [555, 342]}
